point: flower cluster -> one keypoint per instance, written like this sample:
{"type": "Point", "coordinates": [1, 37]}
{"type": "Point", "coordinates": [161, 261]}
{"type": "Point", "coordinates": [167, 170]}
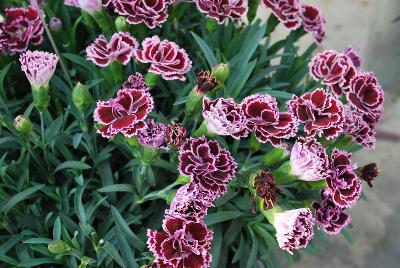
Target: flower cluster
{"type": "Point", "coordinates": [266, 121]}
{"type": "Point", "coordinates": [21, 26]}
{"type": "Point", "coordinates": [38, 67]}
{"type": "Point", "coordinates": [329, 215]}
{"type": "Point", "coordinates": [364, 94]}
{"type": "Point", "coordinates": [124, 114]}
{"type": "Point", "coordinates": [165, 57]}
{"type": "Point", "coordinates": [293, 14]}
{"type": "Point", "coordinates": [224, 117]}
{"type": "Point", "coordinates": [222, 9]}
{"type": "Point", "coordinates": [343, 182]}
{"type": "Point", "coordinates": [120, 48]}
{"type": "Point", "coordinates": [321, 113]}
{"type": "Point", "coordinates": [294, 228]}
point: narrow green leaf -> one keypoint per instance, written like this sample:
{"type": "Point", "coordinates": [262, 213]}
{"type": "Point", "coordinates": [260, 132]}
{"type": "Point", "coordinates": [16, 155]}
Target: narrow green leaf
{"type": "Point", "coordinates": [20, 197]}
{"type": "Point", "coordinates": [254, 249]}
{"type": "Point", "coordinates": [128, 255]}
{"type": "Point", "coordinates": [79, 209]}
{"type": "Point", "coordinates": [73, 165]}
{"type": "Point", "coordinates": [117, 188]}
{"type": "Point", "coordinates": [216, 246]}
{"type": "Point", "coordinates": [212, 60]}
{"type": "Point", "coordinates": [80, 61]}
{"type": "Point", "coordinates": [38, 261]}
{"type": "Point", "coordinates": [217, 217]}
{"type": "Point", "coordinates": [113, 252]}
{"type": "Point", "coordinates": [38, 241]}
{"type": "Point", "coordinates": [57, 229]}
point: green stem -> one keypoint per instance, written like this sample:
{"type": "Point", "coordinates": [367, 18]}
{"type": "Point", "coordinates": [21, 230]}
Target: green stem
{"type": "Point", "coordinates": [43, 144]}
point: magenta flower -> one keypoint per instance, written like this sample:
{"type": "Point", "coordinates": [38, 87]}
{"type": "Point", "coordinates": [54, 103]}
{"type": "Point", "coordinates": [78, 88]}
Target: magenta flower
{"type": "Point", "coordinates": [359, 129]}
{"type": "Point", "coordinates": [55, 24]}
{"type": "Point", "coordinates": [294, 228]}
{"type": "Point", "coordinates": [175, 135]}
{"type": "Point", "coordinates": [321, 113]}
{"type": "Point", "coordinates": [330, 216]}
{"type": "Point", "coordinates": [153, 13]}
{"type": "Point", "coordinates": [224, 117]}
{"type": "Point", "coordinates": [343, 182]}
{"type": "Point", "coordinates": [266, 121]}
{"type": "Point", "coordinates": [287, 11]}
{"type": "Point", "coordinates": [222, 9]}
{"type": "Point", "coordinates": [152, 135]}
{"type": "Point", "coordinates": [313, 22]}
{"type": "Point", "coordinates": [136, 81]}
{"type": "Point", "coordinates": [366, 94]}
{"type": "Point", "coordinates": [308, 160]}
{"type": "Point", "coordinates": [183, 243]}
{"type": "Point", "coordinates": [125, 113]}
{"type": "Point", "coordinates": [20, 28]}
{"type": "Point", "coordinates": [38, 67]}
{"type": "Point", "coordinates": [120, 48]}
{"type": "Point", "coordinates": [355, 58]}
{"type": "Point", "coordinates": [210, 166]}
{"type": "Point", "coordinates": [166, 58]}
{"type": "Point", "coordinates": [333, 69]}
{"type": "Point", "coordinates": [191, 202]}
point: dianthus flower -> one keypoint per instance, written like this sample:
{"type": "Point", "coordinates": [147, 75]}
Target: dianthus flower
{"type": "Point", "coordinates": [266, 189]}
{"type": "Point", "coordinates": [359, 129]}
{"type": "Point", "coordinates": [222, 9]}
{"type": "Point", "coordinates": [287, 11]}
{"type": "Point", "coordinates": [136, 81]}
{"type": "Point", "coordinates": [355, 58]}
{"type": "Point", "coordinates": [313, 22]}
{"type": "Point", "coordinates": [152, 135]}
{"type": "Point", "coordinates": [175, 135]}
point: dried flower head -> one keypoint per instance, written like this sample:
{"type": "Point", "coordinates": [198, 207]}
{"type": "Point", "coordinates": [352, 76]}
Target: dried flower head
{"type": "Point", "coordinates": [120, 48]}
{"type": "Point", "coordinates": [175, 135]}
{"type": "Point", "coordinates": [287, 11]}
{"type": "Point", "coordinates": [294, 228]}
{"type": "Point", "coordinates": [266, 121]}
{"type": "Point", "coordinates": [38, 67]}
{"type": "Point", "coordinates": [206, 82]}
{"type": "Point", "coordinates": [266, 188]}
{"type": "Point", "coordinates": [183, 243]}
{"type": "Point", "coordinates": [224, 117]}
{"type": "Point", "coordinates": [369, 173]}
{"type": "Point", "coordinates": [125, 113]}
{"type": "Point", "coordinates": [152, 135]}
{"type": "Point", "coordinates": [165, 57]}
{"type": "Point", "coordinates": [210, 166]}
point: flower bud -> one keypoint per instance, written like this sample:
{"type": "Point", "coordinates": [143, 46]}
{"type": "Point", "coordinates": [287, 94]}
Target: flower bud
{"type": "Point", "coordinates": [211, 25]}
{"type": "Point", "coordinates": [275, 155]}
{"type": "Point", "coordinates": [58, 247]}
{"type": "Point", "coordinates": [221, 72]}
{"type": "Point", "coordinates": [369, 172]}
{"type": "Point", "coordinates": [121, 25]}
{"type": "Point", "coordinates": [81, 96]}
{"type": "Point", "coordinates": [55, 24]}
{"type": "Point", "coordinates": [23, 124]}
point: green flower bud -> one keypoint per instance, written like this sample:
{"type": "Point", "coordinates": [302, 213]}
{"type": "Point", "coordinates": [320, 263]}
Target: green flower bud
{"type": "Point", "coordinates": [81, 96]}
{"type": "Point", "coordinates": [58, 247]}
{"type": "Point", "coordinates": [221, 72]}
{"type": "Point", "coordinates": [23, 124]}
{"type": "Point", "coordinates": [275, 155]}
{"type": "Point", "coordinates": [41, 97]}
{"type": "Point", "coordinates": [194, 102]}
{"type": "Point", "coordinates": [84, 262]}
{"type": "Point", "coordinates": [211, 25]}
{"type": "Point", "coordinates": [121, 25]}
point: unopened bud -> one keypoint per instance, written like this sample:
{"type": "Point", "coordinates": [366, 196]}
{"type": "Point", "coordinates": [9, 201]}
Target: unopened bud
{"type": "Point", "coordinates": [58, 247]}
{"type": "Point", "coordinates": [23, 124]}
{"type": "Point", "coordinates": [81, 96]}
{"type": "Point", "coordinates": [221, 72]}
{"type": "Point", "coordinates": [121, 25]}
{"type": "Point", "coordinates": [55, 24]}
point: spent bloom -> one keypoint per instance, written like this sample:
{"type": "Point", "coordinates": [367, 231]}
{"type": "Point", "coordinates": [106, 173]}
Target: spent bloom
{"type": "Point", "coordinates": [321, 113]}
{"type": "Point", "coordinates": [313, 22]}
{"type": "Point", "coordinates": [333, 69]}
{"type": "Point", "coordinates": [266, 188]}
{"type": "Point", "coordinates": [165, 57]}
{"type": "Point", "coordinates": [330, 216]}
{"type": "Point", "coordinates": [369, 172]}
{"type": "Point", "coordinates": [343, 182]}
{"type": "Point", "coordinates": [366, 94]}
{"type": "Point", "coordinates": [136, 81]}
{"type": "Point", "coordinates": [266, 121]}
{"type": "Point", "coordinates": [125, 113]}
{"type": "Point", "coordinates": [355, 58]}
{"type": "Point", "coordinates": [152, 135]}
{"type": "Point", "coordinates": [21, 26]}
{"type": "Point", "coordinates": [206, 82]}
{"type": "Point", "coordinates": [191, 202]}
{"type": "Point", "coordinates": [224, 117]}
{"type": "Point", "coordinates": [287, 11]}
{"type": "Point", "coordinates": [222, 9]}
{"type": "Point", "coordinates": [209, 165]}
{"type": "Point", "coordinates": [38, 67]}
{"type": "Point", "coordinates": [153, 13]}
{"type": "Point", "coordinates": [294, 228]}
{"type": "Point", "coordinates": [183, 243]}
{"type": "Point", "coordinates": [308, 160]}
{"type": "Point", "coordinates": [120, 48]}
{"type": "Point", "coordinates": [175, 135]}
